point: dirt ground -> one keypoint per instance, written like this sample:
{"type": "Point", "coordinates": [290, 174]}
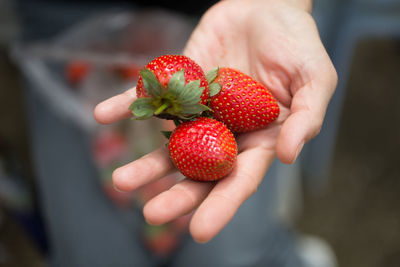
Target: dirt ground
{"type": "Point", "coordinates": [359, 213]}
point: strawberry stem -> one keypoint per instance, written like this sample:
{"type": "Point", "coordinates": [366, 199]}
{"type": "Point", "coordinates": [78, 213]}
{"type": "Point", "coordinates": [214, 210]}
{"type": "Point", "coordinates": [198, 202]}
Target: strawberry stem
{"type": "Point", "coordinates": [162, 108]}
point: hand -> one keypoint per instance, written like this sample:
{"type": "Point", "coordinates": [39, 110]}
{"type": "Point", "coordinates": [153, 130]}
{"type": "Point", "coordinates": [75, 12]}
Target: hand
{"type": "Point", "coordinates": [278, 44]}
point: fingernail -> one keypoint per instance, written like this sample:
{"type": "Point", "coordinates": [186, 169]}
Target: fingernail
{"type": "Point", "coordinates": [299, 148]}
{"type": "Point", "coordinates": [117, 189]}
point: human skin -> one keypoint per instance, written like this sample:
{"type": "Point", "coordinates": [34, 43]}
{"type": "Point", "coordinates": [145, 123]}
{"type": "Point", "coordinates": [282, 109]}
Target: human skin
{"type": "Point", "coordinates": [275, 42]}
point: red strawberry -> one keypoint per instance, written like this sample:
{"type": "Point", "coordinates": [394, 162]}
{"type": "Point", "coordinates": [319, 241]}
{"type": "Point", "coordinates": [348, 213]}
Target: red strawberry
{"type": "Point", "coordinates": [172, 87]}
{"type": "Point", "coordinates": [77, 71]}
{"type": "Point", "coordinates": [109, 146]}
{"type": "Point", "coordinates": [160, 239]}
{"type": "Point", "coordinates": [203, 149]}
{"type": "Point", "coordinates": [128, 72]}
{"type": "Point", "coordinates": [243, 104]}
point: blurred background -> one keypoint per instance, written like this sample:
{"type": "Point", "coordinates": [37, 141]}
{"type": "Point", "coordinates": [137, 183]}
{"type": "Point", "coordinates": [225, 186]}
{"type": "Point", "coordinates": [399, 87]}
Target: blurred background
{"type": "Point", "coordinates": [58, 59]}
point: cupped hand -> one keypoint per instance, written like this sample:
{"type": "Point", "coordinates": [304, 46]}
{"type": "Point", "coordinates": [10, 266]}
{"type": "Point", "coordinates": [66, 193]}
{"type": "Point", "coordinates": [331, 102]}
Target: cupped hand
{"type": "Point", "coordinates": [275, 42]}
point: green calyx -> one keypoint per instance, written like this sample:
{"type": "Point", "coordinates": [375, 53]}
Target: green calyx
{"type": "Point", "coordinates": [167, 134]}
{"type": "Point", "coordinates": [178, 100]}
{"type": "Point", "coordinates": [212, 74]}
{"type": "Point", "coordinates": [214, 87]}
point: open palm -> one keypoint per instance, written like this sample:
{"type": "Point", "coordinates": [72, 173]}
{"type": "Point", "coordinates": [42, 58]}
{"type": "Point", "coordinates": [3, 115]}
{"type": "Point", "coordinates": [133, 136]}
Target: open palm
{"type": "Point", "coordinates": [277, 44]}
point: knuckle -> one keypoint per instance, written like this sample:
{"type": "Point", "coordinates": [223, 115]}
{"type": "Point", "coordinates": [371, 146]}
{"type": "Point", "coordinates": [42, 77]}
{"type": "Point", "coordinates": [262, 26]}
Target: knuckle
{"type": "Point", "coordinates": [183, 191]}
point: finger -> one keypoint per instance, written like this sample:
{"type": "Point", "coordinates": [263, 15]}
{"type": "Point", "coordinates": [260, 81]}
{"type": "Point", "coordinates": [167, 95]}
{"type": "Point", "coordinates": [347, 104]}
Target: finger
{"type": "Point", "coordinates": [226, 197]}
{"type": "Point", "coordinates": [115, 108]}
{"type": "Point", "coordinates": [152, 189]}
{"type": "Point", "coordinates": [148, 168]}
{"type": "Point", "coordinates": [179, 200]}
{"type": "Point", "coordinates": [308, 110]}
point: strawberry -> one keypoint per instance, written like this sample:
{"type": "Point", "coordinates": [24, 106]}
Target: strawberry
{"type": "Point", "coordinates": [242, 103]}
{"type": "Point", "coordinates": [109, 147]}
{"type": "Point", "coordinates": [160, 240]}
{"type": "Point", "coordinates": [203, 149]}
{"type": "Point", "coordinates": [127, 72]}
{"type": "Point", "coordinates": [76, 71]}
{"type": "Point", "coordinates": [171, 87]}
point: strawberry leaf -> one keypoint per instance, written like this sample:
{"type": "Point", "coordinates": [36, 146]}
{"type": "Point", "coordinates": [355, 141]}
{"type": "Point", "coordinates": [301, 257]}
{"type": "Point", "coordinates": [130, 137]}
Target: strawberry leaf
{"type": "Point", "coordinates": [212, 74]}
{"type": "Point", "coordinates": [187, 117]}
{"type": "Point", "coordinates": [188, 91]}
{"type": "Point", "coordinates": [194, 109]}
{"type": "Point", "coordinates": [152, 231]}
{"type": "Point", "coordinates": [167, 134]}
{"type": "Point", "coordinates": [214, 89]}
{"type": "Point", "coordinates": [176, 83]}
{"type": "Point", "coordinates": [191, 93]}
{"type": "Point", "coordinates": [193, 99]}
{"type": "Point", "coordinates": [193, 85]}
{"type": "Point", "coordinates": [151, 83]}
{"type": "Point", "coordinates": [208, 114]}
{"type": "Point", "coordinates": [177, 123]}
{"type": "Point", "coordinates": [142, 108]}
